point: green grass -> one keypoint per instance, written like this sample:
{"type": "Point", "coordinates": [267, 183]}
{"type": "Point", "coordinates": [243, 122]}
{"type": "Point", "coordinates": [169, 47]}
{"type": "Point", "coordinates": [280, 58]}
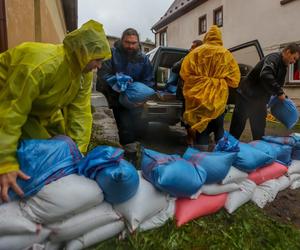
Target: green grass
{"type": "Point", "coordinates": [246, 228]}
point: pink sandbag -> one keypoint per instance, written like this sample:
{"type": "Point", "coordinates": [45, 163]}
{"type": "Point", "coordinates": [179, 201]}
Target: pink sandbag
{"type": "Point", "coordinates": [187, 209]}
{"type": "Point", "coordinates": [272, 171]}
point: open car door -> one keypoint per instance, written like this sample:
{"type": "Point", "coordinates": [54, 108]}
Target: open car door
{"type": "Point", "coordinates": [247, 56]}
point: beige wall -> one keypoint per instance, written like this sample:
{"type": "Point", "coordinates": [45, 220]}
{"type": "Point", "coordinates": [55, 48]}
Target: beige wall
{"type": "Point", "coordinates": [266, 20]}
{"type": "Point", "coordinates": [25, 22]}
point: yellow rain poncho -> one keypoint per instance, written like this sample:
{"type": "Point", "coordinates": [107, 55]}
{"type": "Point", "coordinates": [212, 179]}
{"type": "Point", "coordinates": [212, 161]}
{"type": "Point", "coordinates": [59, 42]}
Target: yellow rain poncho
{"type": "Point", "coordinates": [207, 71]}
{"type": "Point", "coordinates": [43, 91]}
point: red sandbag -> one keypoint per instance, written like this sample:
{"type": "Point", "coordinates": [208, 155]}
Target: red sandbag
{"type": "Point", "coordinates": [272, 171]}
{"type": "Point", "coordinates": [187, 209]}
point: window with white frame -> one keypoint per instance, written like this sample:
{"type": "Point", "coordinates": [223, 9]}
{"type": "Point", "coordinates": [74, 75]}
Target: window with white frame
{"type": "Point", "coordinates": [294, 73]}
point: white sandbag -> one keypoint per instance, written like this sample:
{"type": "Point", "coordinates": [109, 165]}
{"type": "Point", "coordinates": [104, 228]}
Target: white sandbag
{"type": "Point", "coordinates": [283, 182]}
{"type": "Point", "coordinates": [12, 220]}
{"type": "Point", "coordinates": [295, 184]}
{"type": "Point", "coordinates": [62, 199]}
{"type": "Point", "coordinates": [294, 177]}
{"type": "Point", "coordinates": [265, 192]}
{"type": "Point", "coordinates": [18, 242]}
{"type": "Point", "coordinates": [234, 175]}
{"type": "Point", "coordinates": [294, 168]}
{"type": "Point", "coordinates": [83, 222]}
{"type": "Point", "coordinates": [237, 198]}
{"type": "Point", "coordinates": [147, 202]}
{"type": "Point", "coordinates": [95, 236]}
{"type": "Point", "coordinates": [159, 219]}
{"type": "Point", "coordinates": [214, 189]}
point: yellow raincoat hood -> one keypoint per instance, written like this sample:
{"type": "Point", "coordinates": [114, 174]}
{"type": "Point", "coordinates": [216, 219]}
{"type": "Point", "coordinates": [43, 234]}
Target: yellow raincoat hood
{"type": "Point", "coordinates": [86, 44]}
{"type": "Point", "coordinates": [207, 72]}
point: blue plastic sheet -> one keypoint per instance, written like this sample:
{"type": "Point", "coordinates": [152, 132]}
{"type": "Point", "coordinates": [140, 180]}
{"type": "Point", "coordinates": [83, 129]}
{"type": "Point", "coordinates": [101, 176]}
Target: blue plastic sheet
{"type": "Point", "coordinates": [45, 161]}
{"type": "Point", "coordinates": [227, 143]}
{"type": "Point", "coordinates": [284, 111]}
{"type": "Point", "coordinates": [216, 164]}
{"type": "Point", "coordinates": [119, 82]}
{"type": "Point", "coordinates": [250, 158]}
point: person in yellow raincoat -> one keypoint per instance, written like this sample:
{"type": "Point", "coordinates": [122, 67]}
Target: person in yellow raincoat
{"type": "Point", "coordinates": [207, 73]}
{"type": "Point", "coordinates": [45, 90]}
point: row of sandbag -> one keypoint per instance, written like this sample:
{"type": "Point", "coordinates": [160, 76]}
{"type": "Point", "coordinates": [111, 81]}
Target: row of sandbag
{"type": "Point", "coordinates": [70, 213]}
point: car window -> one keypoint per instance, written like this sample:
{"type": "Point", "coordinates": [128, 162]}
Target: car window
{"type": "Point", "coordinates": [166, 62]}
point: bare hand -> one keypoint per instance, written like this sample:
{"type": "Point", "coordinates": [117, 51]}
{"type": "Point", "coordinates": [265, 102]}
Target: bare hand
{"type": "Point", "coordinates": [281, 97]}
{"type": "Point", "coordinates": [9, 180]}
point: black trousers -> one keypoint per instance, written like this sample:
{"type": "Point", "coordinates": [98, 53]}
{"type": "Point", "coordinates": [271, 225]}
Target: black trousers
{"type": "Point", "coordinates": [128, 122]}
{"type": "Point", "coordinates": [255, 110]}
{"type": "Point", "coordinates": [215, 126]}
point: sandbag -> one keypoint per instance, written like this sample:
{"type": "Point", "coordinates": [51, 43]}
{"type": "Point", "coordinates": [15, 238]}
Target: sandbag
{"type": "Point", "coordinates": [283, 140]}
{"type": "Point", "coordinates": [62, 199]}
{"type": "Point", "coordinates": [159, 219]}
{"type": "Point", "coordinates": [95, 236]}
{"type": "Point", "coordinates": [83, 222]}
{"type": "Point", "coordinates": [264, 146]}
{"type": "Point", "coordinates": [294, 177]}
{"type": "Point", "coordinates": [99, 158]}
{"type": "Point", "coordinates": [268, 172]}
{"type": "Point", "coordinates": [283, 182]}
{"type": "Point", "coordinates": [146, 203]}
{"type": "Point", "coordinates": [264, 193]}
{"type": "Point", "coordinates": [135, 93]}
{"type": "Point", "coordinates": [12, 220]}
{"type": "Point", "coordinates": [294, 168]}
{"type": "Point", "coordinates": [284, 111]}
{"type": "Point", "coordinates": [187, 210]}
{"type": "Point", "coordinates": [119, 183]}
{"type": "Point", "coordinates": [240, 197]}
{"type": "Point", "coordinates": [216, 164]}
{"type": "Point", "coordinates": [177, 177]}
{"type": "Point", "coordinates": [214, 189]}
{"type": "Point", "coordinates": [45, 161]}
{"type": "Point", "coordinates": [295, 184]}
{"type": "Point", "coordinates": [119, 82]}
{"type": "Point", "coordinates": [23, 241]}
{"type": "Point", "coordinates": [250, 158]}
{"type": "Point", "coordinates": [296, 148]}
{"type": "Point", "coordinates": [234, 175]}
{"type": "Point", "coordinates": [152, 159]}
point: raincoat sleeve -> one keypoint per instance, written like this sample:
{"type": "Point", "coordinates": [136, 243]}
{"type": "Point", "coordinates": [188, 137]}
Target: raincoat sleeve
{"type": "Point", "coordinates": [268, 75]}
{"type": "Point", "coordinates": [234, 75]}
{"type": "Point", "coordinates": [21, 88]}
{"type": "Point", "coordinates": [79, 115]}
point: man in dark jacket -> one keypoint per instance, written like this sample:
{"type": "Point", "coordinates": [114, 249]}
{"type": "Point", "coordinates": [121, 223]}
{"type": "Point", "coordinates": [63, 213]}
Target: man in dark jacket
{"type": "Point", "coordinates": [129, 60]}
{"type": "Point", "coordinates": [265, 79]}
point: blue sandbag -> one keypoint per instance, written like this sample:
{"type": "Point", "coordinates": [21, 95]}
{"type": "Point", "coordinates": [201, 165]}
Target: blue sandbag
{"type": "Point", "coordinates": [250, 158]}
{"type": "Point", "coordinates": [264, 146]}
{"type": "Point", "coordinates": [227, 144]}
{"type": "Point", "coordinates": [216, 164]}
{"type": "Point", "coordinates": [45, 161]}
{"type": "Point", "coordinates": [97, 159]}
{"type": "Point", "coordinates": [135, 92]}
{"type": "Point", "coordinates": [296, 148]}
{"type": "Point", "coordinates": [152, 159]}
{"type": "Point", "coordinates": [179, 178]}
{"type": "Point", "coordinates": [284, 111]}
{"type": "Point", "coordinates": [284, 140]}
{"type": "Point", "coordinates": [171, 173]}
{"type": "Point", "coordinates": [119, 183]}
{"type": "Point", "coordinates": [119, 82]}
